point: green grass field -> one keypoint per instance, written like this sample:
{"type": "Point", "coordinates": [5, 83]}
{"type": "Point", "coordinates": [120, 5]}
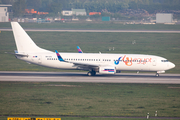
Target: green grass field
{"type": "Point", "coordinates": [93, 118]}
{"type": "Point", "coordinates": [161, 44]}
{"type": "Point", "coordinates": [88, 99]}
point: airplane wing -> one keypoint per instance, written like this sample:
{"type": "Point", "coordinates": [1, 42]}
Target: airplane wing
{"type": "Point", "coordinates": [79, 49]}
{"type": "Point", "coordinates": [87, 65]}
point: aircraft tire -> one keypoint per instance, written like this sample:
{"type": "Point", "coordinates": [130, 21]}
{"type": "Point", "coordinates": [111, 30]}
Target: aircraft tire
{"type": "Point", "coordinates": [157, 74]}
{"type": "Point", "coordinates": [89, 74]}
{"type": "Point", "coordinates": [92, 73]}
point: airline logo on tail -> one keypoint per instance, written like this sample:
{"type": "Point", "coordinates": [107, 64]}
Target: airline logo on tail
{"type": "Point", "coordinates": [79, 49]}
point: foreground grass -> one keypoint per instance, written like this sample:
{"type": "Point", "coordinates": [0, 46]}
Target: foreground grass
{"type": "Point", "coordinates": [88, 99]}
{"type": "Point", "coordinates": [88, 118]}
{"type": "Point", "coordinates": [165, 45]}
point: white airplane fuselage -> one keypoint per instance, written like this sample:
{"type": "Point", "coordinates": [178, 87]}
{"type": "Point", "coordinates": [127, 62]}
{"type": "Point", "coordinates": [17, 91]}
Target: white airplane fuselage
{"type": "Point", "coordinates": [28, 51]}
{"type": "Point", "coordinates": [131, 62]}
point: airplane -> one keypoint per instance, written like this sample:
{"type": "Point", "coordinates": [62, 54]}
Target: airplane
{"type": "Point", "coordinates": [103, 63]}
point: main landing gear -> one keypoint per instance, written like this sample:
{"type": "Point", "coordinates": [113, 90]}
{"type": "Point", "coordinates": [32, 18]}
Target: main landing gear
{"type": "Point", "coordinates": [157, 75]}
{"type": "Point", "coordinates": [91, 73]}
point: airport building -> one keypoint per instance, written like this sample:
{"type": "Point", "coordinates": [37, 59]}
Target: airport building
{"type": "Point", "coordinates": [4, 14]}
{"type": "Point", "coordinates": [67, 12]}
{"type": "Point", "coordinates": [77, 12]}
{"type": "Point", "coordinates": [164, 18]}
{"type": "Point", "coordinates": [72, 12]}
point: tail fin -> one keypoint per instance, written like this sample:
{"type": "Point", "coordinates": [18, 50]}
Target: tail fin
{"type": "Point", "coordinates": [59, 57]}
{"type": "Point", "coordinates": [79, 49]}
{"type": "Point", "coordinates": [24, 43]}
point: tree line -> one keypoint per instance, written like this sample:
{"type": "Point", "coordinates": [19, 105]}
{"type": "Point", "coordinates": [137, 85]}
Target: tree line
{"type": "Point", "coordinates": [113, 6]}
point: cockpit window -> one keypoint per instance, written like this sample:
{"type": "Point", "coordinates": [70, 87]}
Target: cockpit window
{"type": "Point", "coordinates": [164, 60]}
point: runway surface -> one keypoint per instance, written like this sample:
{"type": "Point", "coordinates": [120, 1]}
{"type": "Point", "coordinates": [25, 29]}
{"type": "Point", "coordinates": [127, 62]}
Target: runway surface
{"type": "Point", "coordinates": [68, 30]}
{"type": "Point", "coordinates": [82, 77]}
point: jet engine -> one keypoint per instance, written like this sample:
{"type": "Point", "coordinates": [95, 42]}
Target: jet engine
{"type": "Point", "coordinates": [107, 70]}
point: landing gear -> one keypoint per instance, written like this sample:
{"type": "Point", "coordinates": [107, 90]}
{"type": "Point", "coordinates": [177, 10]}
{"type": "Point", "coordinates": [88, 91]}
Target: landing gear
{"type": "Point", "coordinates": [91, 73]}
{"type": "Point", "coordinates": [157, 75]}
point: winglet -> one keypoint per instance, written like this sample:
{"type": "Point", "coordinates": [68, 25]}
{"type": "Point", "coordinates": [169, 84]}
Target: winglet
{"type": "Point", "coordinates": [79, 49]}
{"type": "Point", "coordinates": [58, 55]}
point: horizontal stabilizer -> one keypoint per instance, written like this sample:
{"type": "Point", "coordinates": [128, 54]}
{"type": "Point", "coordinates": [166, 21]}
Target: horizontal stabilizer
{"type": "Point", "coordinates": [17, 54]}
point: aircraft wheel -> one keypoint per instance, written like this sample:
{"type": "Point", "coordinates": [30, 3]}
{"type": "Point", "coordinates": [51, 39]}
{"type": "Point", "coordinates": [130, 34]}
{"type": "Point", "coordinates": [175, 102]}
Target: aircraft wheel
{"type": "Point", "coordinates": [89, 73]}
{"type": "Point", "coordinates": [157, 74]}
{"type": "Point", "coordinates": [92, 73]}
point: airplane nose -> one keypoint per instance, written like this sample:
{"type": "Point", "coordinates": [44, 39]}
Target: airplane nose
{"type": "Point", "coordinates": [171, 65]}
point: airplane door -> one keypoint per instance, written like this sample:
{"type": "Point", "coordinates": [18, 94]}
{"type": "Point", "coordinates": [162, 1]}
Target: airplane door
{"type": "Point", "coordinates": [154, 62]}
{"type": "Point", "coordinates": [39, 59]}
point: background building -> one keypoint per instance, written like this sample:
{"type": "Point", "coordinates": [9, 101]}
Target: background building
{"type": "Point", "coordinates": [75, 12]}
{"type": "Point", "coordinates": [4, 14]}
{"type": "Point", "coordinates": [66, 12]}
{"type": "Point", "coordinates": [164, 18]}
{"type": "Point", "coordinates": [79, 12]}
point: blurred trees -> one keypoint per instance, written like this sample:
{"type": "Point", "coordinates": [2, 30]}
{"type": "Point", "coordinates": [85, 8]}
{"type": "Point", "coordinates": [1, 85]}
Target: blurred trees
{"type": "Point", "coordinates": [18, 8]}
{"type": "Point", "coordinates": [112, 6]}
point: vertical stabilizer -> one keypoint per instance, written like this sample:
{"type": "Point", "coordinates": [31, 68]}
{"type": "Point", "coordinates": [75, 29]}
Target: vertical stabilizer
{"type": "Point", "coordinates": [79, 49]}
{"type": "Point", "coordinates": [24, 43]}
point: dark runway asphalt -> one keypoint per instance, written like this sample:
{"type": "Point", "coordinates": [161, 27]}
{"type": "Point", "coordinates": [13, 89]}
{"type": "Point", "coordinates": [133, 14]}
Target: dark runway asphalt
{"type": "Point", "coordinates": [82, 77]}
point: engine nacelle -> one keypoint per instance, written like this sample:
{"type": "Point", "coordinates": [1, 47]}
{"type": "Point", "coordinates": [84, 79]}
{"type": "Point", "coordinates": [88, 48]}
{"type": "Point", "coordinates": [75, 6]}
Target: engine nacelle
{"type": "Point", "coordinates": [107, 70]}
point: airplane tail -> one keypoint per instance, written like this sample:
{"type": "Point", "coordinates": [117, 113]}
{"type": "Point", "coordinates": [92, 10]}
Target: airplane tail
{"type": "Point", "coordinates": [24, 43]}
{"type": "Point", "coordinates": [79, 49]}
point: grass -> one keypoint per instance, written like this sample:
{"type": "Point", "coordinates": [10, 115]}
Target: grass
{"type": "Point", "coordinates": [161, 44]}
{"type": "Point", "coordinates": [88, 118]}
{"type": "Point", "coordinates": [88, 99]}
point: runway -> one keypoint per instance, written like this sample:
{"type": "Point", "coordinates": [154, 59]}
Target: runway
{"type": "Point", "coordinates": [81, 30]}
{"type": "Point", "coordinates": [82, 77]}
